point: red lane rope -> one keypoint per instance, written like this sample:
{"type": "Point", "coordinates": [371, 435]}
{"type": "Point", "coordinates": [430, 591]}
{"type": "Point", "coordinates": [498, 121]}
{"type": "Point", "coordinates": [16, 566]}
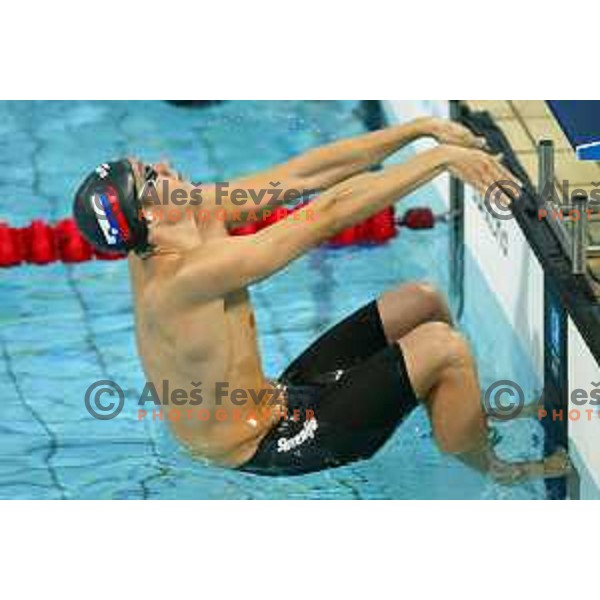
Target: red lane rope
{"type": "Point", "coordinates": [41, 243]}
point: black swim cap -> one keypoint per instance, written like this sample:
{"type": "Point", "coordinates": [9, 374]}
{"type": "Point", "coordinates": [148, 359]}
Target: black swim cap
{"type": "Point", "coordinates": [108, 212]}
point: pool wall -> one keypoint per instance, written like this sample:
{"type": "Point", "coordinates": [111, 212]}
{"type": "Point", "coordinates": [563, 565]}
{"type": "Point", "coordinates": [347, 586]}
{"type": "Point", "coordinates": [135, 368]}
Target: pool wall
{"type": "Point", "coordinates": [584, 435]}
{"type": "Point", "coordinates": [512, 272]}
{"type": "Point", "coordinates": [558, 354]}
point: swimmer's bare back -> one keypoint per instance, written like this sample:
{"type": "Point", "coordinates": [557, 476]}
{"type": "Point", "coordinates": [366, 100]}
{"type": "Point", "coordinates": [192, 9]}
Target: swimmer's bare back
{"type": "Point", "coordinates": [194, 320]}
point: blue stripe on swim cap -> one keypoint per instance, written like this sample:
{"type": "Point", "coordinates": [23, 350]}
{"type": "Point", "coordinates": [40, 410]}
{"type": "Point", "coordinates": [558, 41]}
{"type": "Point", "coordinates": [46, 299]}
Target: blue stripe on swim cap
{"type": "Point", "coordinates": [110, 217]}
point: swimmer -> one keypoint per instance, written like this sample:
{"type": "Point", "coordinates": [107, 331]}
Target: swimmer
{"type": "Point", "coordinates": [194, 321]}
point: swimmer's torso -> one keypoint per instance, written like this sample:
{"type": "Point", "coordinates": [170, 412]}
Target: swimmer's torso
{"type": "Point", "coordinates": [211, 343]}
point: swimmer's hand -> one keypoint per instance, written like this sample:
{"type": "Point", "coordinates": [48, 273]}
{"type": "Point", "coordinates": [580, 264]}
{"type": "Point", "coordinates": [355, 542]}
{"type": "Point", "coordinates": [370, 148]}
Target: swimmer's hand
{"type": "Point", "coordinates": [484, 172]}
{"type": "Point", "coordinates": [449, 132]}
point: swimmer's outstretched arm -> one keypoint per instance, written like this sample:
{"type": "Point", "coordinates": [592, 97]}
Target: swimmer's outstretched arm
{"type": "Point", "coordinates": [328, 165]}
{"type": "Point", "coordinates": [361, 196]}
{"type": "Point", "coordinates": [320, 168]}
{"type": "Point", "coordinates": [224, 265]}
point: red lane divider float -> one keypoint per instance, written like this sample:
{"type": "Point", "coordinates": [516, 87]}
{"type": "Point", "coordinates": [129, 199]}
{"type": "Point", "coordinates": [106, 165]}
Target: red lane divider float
{"type": "Point", "coordinates": [41, 243]}
{"type": "Point", "coordinates": [418, 218]}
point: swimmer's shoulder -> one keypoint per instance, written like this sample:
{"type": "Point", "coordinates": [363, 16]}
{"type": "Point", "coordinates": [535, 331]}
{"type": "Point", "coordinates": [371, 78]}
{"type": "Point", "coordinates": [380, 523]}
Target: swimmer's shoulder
{"type": "Point", "coordinates": [160, 297]}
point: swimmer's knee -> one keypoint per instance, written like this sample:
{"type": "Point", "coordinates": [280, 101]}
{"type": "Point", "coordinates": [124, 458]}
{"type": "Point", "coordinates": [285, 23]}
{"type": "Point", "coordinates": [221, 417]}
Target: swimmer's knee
{"type": "Point", "coordinates": [458, 350]}
{"type": "Point", "coordinates": [444, 342]}
{"type": "Point", "coordinates": [426, 290]}
{"type": "Point", "coordinates": [439, 333]}
{"type": "Point", "coordinates": [430, 298]}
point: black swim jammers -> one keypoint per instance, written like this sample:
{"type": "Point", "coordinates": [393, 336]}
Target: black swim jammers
{"type": "Point", "coordinates": [354, 385]}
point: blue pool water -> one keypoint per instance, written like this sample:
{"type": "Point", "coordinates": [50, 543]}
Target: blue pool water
{"type": "Point", "coordinates": [64, 327]}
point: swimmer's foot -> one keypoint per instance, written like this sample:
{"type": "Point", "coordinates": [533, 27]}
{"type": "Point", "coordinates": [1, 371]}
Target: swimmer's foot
{"type": "Point", "coordinates": [555, 465]}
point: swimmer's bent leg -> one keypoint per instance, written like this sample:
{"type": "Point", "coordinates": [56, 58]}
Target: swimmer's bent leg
{"type": "Point", "coordinates": [442, 371]}
{"type": "Point", "coordinates": [333, 422]}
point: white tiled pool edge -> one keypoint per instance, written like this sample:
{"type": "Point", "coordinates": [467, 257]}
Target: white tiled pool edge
{"type": "Point", "coordinates": [584, 435]}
